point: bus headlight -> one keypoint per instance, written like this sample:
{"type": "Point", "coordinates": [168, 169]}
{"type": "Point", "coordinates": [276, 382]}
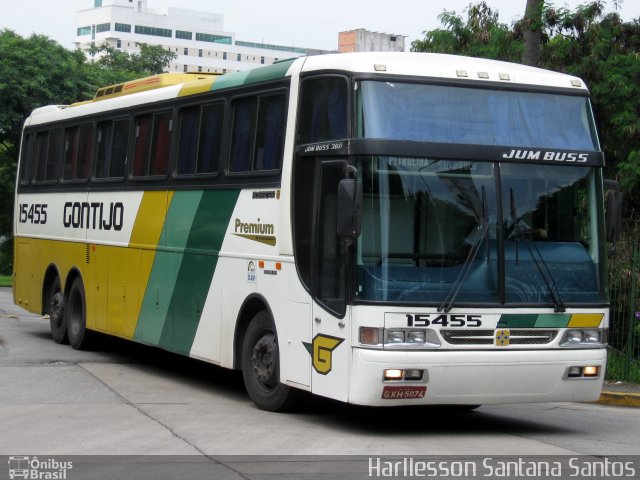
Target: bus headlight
{"type": "Point", "coordinates": [399, 337]}
{"type": "Point", "coordinates": [577, 337]}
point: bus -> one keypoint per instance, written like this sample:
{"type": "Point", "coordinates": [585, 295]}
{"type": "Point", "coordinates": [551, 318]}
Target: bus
{"type": "Point", "coordinates": [381, 229]}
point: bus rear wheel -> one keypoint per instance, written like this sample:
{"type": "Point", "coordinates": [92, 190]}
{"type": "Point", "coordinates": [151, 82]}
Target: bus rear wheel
{"type": "Point", "coordinates": [75, 313]}
{"type": "Point", "coordinates": [261, 366]}
{"type": "Point", "coordinates": [57, 320]}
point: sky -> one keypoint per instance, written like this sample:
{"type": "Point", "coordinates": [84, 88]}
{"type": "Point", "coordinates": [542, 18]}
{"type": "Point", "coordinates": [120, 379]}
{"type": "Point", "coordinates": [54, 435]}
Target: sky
{"type": "Point", "coordinates": [283, 22]}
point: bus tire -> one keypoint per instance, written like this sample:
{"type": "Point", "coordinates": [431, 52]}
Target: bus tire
{"type": "Point", "coordinates": [261, 366]}
{"type": "Point", "coordinates": [75, 313]}
{"type": "Point", "coordinates": [57, 319]}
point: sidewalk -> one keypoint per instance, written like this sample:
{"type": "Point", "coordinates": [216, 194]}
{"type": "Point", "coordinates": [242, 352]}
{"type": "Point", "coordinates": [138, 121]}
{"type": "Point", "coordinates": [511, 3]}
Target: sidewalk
{"type": "Point", "coordinates": [620, 394]}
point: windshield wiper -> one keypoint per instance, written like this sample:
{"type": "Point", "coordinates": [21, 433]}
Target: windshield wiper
{"type": "Point", "coordinates": [525, 232]}
{"type": "Point", "coordinates": [478, 236]}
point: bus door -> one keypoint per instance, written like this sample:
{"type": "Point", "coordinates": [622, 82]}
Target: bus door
{"type": "Point", "coordinates": [330, 347]}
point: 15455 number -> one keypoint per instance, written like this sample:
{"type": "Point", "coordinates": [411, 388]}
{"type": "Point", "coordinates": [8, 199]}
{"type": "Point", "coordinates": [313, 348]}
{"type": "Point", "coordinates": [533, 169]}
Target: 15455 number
{"type": "Point", "coordinates": [35, 213]}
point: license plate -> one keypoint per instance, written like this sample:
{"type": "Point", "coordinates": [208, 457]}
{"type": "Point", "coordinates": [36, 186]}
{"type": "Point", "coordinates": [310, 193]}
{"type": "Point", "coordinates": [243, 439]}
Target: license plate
{"type": "Point", "coordinates": [397, 392]}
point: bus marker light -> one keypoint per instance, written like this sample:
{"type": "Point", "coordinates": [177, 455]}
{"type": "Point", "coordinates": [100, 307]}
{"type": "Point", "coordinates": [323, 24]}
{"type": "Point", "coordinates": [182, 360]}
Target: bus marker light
{"type": "Point", "coordinates": [278, 266]}
{"type": "Point", "coordinates": [380, 68]}
{"type": "Point", "coordinates": [261, 263]}
{"type": "Point", "coordinates": [505, 77]}
{"type": "Point", "coordinates": [369, 336]}
{"type": "Point", "coordinates": [393, 374]}
{"type": "Point", "coordinates": [462, 73]}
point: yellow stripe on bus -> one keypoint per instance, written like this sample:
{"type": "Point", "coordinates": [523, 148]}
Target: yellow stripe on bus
{"type": "Point", "coordinates": [585, 320]}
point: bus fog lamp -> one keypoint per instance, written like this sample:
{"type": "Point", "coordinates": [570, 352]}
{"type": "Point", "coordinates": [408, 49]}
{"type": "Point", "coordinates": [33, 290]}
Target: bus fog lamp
{"type": "Point", "coordinates": [574, 372]}
{"type": "Point", "coordinates": [413, 374]}
{"type": "Point", "coordinates": [591, 371]}
{"type": "Point", "coordinates": [393, 374]}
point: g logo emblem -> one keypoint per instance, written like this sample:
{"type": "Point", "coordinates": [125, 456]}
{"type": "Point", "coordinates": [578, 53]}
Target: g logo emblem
{"type": "Point", "coordinates": [320, 350]}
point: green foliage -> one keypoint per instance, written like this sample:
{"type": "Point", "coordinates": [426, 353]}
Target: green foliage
{"type": "Point", "coordinates": [6, 256]}
{"type": "Point", "coordinates": [586, 42]}
{"type": "Point", "coordinates": [5, 281]}
{"type": "Point", "coordinates": [151, 60]}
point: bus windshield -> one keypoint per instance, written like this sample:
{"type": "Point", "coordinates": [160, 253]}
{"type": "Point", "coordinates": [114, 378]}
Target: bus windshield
{"type": "Point", "coordinates": [431, 227]}
{"type": "Point", "coordinates": [474, 116]}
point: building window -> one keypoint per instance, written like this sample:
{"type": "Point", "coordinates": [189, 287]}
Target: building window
{"type": "Point", "coordinates": [186, 51]}
{"type": "Point", "coordinates": [200, 52]}
{"type": "Point", "coordinates": [97, 3]}
{"type": "Point", "coordinates": [103, 27]}
{"type": "Point", "coordinates": [239, 57]}
{"type": "Point", "coordinates": [199, 68]}
{"type": "Point", "coordinates": [84, 31]}
{"type": "Point", "coordinates": [118, 44]}
{"type": "Point", "coordinates": [224, 55]}
{"type": "Point", "coordinates": [185, 69]}
{"type": "Point", "coordinates": [262, 60]}
{"type": "Point", "coordinates": [158, 32]}
{"type": "Point", "coordinates": [123, 27]}
{"type": "Point", "coordinates": [184, 35]}
{"type": "Point", "coordinates": [206, 37]}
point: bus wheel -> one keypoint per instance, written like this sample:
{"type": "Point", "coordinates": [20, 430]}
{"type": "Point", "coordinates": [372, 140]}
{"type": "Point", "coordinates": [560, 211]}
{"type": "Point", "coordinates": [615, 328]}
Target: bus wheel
{"type": "Point", "coordinates": [57, 320]}
{"type": "Point", "coordinates": [75, 314]}
{"type": "Point", "coordinates": [261, 368]}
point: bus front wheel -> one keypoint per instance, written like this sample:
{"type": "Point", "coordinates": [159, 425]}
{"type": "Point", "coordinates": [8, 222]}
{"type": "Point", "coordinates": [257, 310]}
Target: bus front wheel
{"type": "Point", "coordinates": [57, 320]}
{"type": "Point", "coordinates": [75, 313]}
{"type": "Point", "coordinates": [261, 366]}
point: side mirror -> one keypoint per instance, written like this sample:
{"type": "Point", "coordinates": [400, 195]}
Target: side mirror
{"type": "Point", "coordinates": [349, 221]}
{"type": "Point", "coordinates": [613, 211]}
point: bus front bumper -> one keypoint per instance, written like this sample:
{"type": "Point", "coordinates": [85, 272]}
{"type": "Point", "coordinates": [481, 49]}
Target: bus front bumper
{"type": "Point", "coordinates": [475, 377]}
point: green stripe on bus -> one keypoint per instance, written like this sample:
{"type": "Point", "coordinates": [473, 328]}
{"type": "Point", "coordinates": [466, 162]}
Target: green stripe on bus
{"type": "Point", "coordinates": [163, 278]}
{"type": "Point", "coordinates": [196, 269]}
{"type": "Point", "coordinates": [261, 74]}
{"type": "Point", "coordinates": [517, 321]}
{"type": "Point", "coordinates": [553, 320]}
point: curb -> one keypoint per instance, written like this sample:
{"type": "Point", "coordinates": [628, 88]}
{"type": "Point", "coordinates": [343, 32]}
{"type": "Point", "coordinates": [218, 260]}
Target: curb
{"type": "Point", "coordinates": [620, 399]}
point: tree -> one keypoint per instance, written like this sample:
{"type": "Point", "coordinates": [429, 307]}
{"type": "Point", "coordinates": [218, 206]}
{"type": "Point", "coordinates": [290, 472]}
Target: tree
{"type": "Point", "coordinates": [151, 60]}
{"type": "Point", "coordinates": [532, 32]}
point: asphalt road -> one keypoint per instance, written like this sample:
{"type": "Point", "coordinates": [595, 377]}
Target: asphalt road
{"type": "Point", "coordinates": [127, 399]}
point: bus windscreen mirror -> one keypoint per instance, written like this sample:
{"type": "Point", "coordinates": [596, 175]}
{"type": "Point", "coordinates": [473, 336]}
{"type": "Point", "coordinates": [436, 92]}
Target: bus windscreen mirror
{"type": "Point", "coordinates": [349, 218]}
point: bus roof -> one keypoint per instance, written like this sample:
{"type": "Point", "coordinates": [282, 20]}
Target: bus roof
{"type": "Point", "coordinates": [403, 64]}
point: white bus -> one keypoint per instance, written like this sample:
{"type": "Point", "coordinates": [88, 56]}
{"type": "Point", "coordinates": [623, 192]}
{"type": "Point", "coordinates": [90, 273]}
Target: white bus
{"type": "Point", "coordinates": [378, 228]}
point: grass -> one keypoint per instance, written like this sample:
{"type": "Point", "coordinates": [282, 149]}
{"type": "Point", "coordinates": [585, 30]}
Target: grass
{"type": "Point", "coordinates": [616, 367]}
{"type": "Point", "coordinates": [5, 281]}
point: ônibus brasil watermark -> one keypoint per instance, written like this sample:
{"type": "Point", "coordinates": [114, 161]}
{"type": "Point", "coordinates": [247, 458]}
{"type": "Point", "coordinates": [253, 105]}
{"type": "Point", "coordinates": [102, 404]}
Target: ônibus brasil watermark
{"type": "Point", "coordinates": [32, 468]}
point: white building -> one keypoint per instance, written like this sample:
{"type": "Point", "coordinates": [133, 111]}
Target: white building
{"type": "Point", "coordinates": [197, 38]}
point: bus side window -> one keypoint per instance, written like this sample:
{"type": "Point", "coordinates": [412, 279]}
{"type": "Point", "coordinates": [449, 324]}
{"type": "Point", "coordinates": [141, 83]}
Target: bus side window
{"type": "Point", "coordinates": [26, 159]}
{"type": "Point", "coordinates": [210, 138]}
{"type": "Point", "coordinates": [70, 153]}
{"type": "Point", "coordinates": [244, 126]}
{"type": "Point", "coordinates": [323, 110]}
{"type": "Point", "coordinates": [42, 145]}
{"type": "Point", "coordinates": [119, 149]}
{"type": "Point", "coordinates": [188, 140]}
{"type": "Point", "coordinates": [54, 156]}
{"type": "Point", "coordinates": [270, 135]}
{"type": "Point", "coordinates": [85, 152]}
{"type": "Point", "coordinates": [161, 144]}
{"type": "Point", "coordinates": [142, 145]}
{"type": "Point", "coordinates": [103, 149]}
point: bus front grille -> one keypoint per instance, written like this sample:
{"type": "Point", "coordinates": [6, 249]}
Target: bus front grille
{"type": "Point", "coordinates": [534, 336]}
